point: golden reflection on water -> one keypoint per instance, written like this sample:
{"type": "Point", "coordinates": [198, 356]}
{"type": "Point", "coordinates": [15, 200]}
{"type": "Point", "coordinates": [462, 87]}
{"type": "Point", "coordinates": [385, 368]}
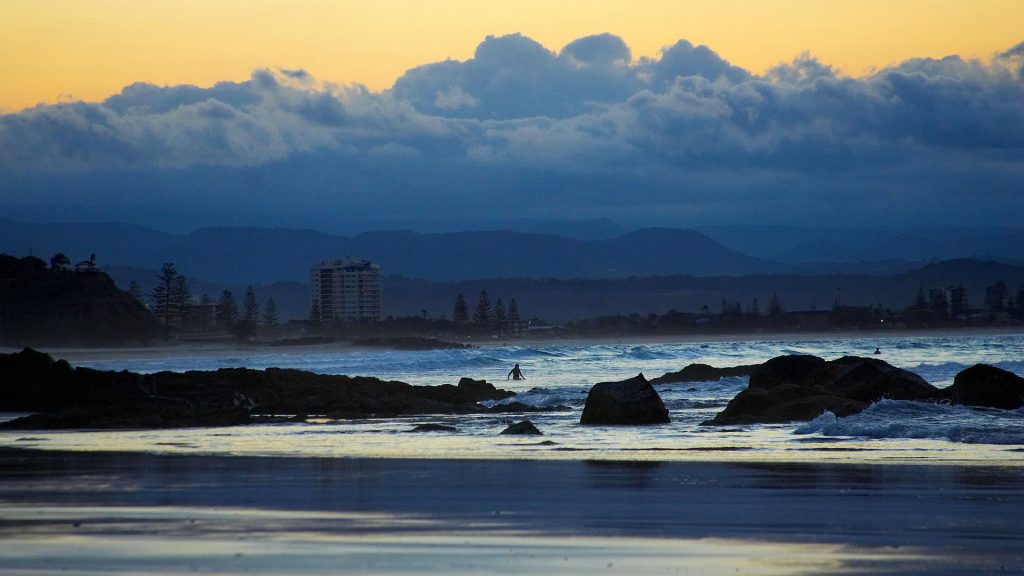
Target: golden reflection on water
{"type": "Point", "coordinates": [165, 540]}
{"type": "Point", "coordinates": [392, 439]}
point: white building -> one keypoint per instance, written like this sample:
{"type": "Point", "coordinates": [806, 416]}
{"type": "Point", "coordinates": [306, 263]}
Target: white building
{"type": "Point", "coordinates": [345, 290]}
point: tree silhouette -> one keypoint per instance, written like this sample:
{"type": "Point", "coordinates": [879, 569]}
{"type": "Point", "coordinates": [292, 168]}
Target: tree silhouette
{"type": "Point", "coordinates": [59, 261]}
{"type": "Point", "coordinates": [227, 310]}
{"type": "Point", "coordinates": [170, 296]}
{"type": "Point", "coordinates": [499, 318]}
{"type": "Point", "coordinates": [460, 315]}
{"type": "Point", "coordinates": [135, 289]}
{"type": "Point", "coordinates": [270, 313]}
{"type": "Point", "coordinates": [513, 312]}
{"type": "Point", "coordinates": [482, 315]}
{"type": "Point", "coordinates": [246, 327]}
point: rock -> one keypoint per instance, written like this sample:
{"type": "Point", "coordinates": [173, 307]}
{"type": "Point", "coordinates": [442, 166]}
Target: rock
{"type": "Point", "coordinates": [433, 427]}
{"type": "Point", "coordinates": [987, 386]}
{"type": "Point", "coordinates": [784, 403]}
{"type": "Point", "coordinates": [524, 428]}
{"type": "Point", "coordinates": [869, 380]}
{"type": "Point", "coordinates": [69, 397]}
{"type": "Point", "coordinates": [791, 369]}
{"type": "Point", "coordinates": [629, 402]}
{"type": "Point", "coordinates": [799, 388]}
{"type": "Point", "coordinates": [703, 373]}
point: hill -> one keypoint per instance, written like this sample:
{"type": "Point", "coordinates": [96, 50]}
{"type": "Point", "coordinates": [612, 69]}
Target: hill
{"type": "Point", "coordinates": [239, 256]}
{"type": "Point", "coordinates": [60, 307]}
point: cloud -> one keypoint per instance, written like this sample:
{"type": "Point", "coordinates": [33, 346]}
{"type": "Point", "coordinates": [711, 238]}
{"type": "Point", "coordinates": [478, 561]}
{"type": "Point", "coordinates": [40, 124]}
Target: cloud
{"type": "Point", "coordinates": [684, 138]}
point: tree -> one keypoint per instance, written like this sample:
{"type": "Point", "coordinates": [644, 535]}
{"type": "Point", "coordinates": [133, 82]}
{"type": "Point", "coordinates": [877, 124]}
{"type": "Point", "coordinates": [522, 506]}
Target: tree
{"type": "Point", "coordinates": [135, 289]}
{"type": "Point", "coordinates": [59, 261]}
{"type": "Point", "coordinates": [482, 315]}
{"type": "Point", "coordinates": [499, 317]}
{"type": "Point", "coordinates": [170, 297]}
{"type": "Point", "coordinates": [270, 313]}
{"type": "Point", "coordinates": [775, 309]}
{"type": "Point", "coordinates": [513, 312]}
{"type": "Point", "coordinates": [460, 315]}
{"type": "Point", "coordinates": [755, 310]}
{"type": "Point", "coordinates": [250, 307]}
{"type": "Point", "coordinates": [246, 327]}
{"type": "Point", "coordinates": [227, 310]}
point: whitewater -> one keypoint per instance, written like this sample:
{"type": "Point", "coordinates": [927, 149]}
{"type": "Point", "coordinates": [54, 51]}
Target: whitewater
{"type": "Point", "coordinates": [559, 375]}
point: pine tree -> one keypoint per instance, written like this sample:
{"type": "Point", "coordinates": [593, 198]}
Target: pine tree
{"type": "Point", "coordinates": [135, 289]}
{"type": "Point", "coordinates": [270, 313]}
{"type": "Point", "coordinates": [246, 327]}
{"type": "Point", "coordinates": [169, 296]}
{"type": "Point", "coordinates": [227, 310]}
{"type": "Point", "coordinates": [250, 307]}
{"type": "Point", "coordinates": [499, 317]}
{"type": "Point", "coordinates": [775, 306]}
{"type": "Point", "coordinates": [460, 315]}
{"type": "Point", "coordinates": [482, 315]}
{"type": "Point", "coordinates": [513, 312]}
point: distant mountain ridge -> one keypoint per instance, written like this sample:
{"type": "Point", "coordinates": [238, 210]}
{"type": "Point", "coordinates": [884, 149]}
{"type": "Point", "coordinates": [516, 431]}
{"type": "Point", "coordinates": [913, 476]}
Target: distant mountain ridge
{"type": "Point", "coordinates": [263, 255]}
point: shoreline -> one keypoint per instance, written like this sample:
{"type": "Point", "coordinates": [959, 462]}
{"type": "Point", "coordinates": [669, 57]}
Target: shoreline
{"type": "Point", "coordinates": [133, 352]}
{"type": "Point", "coordinates": [466, 516]}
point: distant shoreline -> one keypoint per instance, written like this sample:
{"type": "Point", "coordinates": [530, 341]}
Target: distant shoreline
{"type": "Point", "coordinates": [196, 349]}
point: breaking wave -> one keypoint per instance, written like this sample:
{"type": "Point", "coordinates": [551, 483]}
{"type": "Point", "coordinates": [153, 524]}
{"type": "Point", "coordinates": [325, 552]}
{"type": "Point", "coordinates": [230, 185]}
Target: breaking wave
{"type": "Point", "coordinates": [916, 420]}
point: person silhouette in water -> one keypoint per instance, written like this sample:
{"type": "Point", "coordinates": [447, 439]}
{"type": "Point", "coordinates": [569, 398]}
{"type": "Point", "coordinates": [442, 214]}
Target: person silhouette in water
{"type": "Point", "coordinates": [515, 373]}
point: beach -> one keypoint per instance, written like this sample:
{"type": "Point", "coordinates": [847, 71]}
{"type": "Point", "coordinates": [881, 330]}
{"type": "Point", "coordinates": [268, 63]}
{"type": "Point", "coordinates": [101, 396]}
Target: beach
{"type": "Point", "coordinates": [103, 513]}
{"type": "Point", "coordinates": [902, 488]}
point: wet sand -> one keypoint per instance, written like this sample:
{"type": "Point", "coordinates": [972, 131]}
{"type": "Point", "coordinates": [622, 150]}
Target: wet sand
{"type": "Point", "coordinates": [103, 513]}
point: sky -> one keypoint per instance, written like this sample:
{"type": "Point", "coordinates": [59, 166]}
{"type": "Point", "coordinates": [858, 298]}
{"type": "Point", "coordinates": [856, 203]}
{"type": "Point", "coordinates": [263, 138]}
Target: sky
{"type": "Point", "coordinates": [457, 113]}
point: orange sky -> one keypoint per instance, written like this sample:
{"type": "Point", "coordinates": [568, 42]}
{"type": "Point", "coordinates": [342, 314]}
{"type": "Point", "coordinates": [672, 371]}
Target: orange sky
{"type": "Point", "coordinates": [88, 49]}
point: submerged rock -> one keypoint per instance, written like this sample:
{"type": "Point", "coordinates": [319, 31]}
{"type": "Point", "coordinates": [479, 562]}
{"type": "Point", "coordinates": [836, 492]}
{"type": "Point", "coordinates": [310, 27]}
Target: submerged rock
{"type": "Point", "coordinates": [799, 388]}
{"type": "Point", "coordinates": [703, 373]}
{"type": "Point", "coordinates": [524, 428]}
{"type": "Point", "coordinates": [629, 402]}
{"type": "Point", "coordinates": [433, 427]}
{"type": "Point", "coordinates": [987, 386]}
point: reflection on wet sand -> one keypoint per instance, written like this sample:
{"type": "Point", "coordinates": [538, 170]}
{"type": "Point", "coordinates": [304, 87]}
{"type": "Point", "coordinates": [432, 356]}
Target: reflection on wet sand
{"type": "Point", "coordinates": [154, 514]}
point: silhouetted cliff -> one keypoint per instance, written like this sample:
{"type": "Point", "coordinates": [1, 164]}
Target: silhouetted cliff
{"type": "Point", "coordinates": [61, 307]}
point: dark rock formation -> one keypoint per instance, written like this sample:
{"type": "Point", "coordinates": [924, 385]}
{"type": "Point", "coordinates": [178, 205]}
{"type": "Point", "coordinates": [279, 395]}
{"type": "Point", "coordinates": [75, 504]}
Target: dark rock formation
{"type": "Point", "coordinates": [43, 306]}
{"type": "Point", "coordinates": [434, 427]}
{"type": "Point", "coordinates": [632, 401]}
{"type": "Point", "coordinates": [988, 386]}
{"type": "Point", "coordinates": [524, 428]}
{"type": "Point", "coordinates": [794, 388]}
{"type": "Point", "coordinates": [83, 398]}
{"type": "Point", "coordinates": [702, 373]}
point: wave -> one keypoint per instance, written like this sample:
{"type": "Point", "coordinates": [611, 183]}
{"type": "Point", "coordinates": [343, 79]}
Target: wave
{"type": "Point", "coordinates": [543, 398]}
{"type": "Point", "coordinates": [901, 419]}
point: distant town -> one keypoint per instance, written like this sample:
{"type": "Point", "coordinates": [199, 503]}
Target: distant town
{"type": "Point", "coordinates": [57, 301]}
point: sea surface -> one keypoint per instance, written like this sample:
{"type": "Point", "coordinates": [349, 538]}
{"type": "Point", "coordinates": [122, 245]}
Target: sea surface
{"type": "Point", "coordinates": [560, 374]}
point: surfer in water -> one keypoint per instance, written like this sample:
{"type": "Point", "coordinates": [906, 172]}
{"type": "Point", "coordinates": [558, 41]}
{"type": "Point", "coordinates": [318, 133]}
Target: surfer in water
{"type": "Point", "coordinates": [515, 373]}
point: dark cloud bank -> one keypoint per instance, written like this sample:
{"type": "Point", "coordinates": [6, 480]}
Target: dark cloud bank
{"type": "Point", "coordinates": [518, 131]}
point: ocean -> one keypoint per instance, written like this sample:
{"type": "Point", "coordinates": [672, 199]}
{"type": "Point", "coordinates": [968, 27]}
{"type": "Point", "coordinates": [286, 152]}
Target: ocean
{"type": "Point", "coordinates": [560, 374]}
